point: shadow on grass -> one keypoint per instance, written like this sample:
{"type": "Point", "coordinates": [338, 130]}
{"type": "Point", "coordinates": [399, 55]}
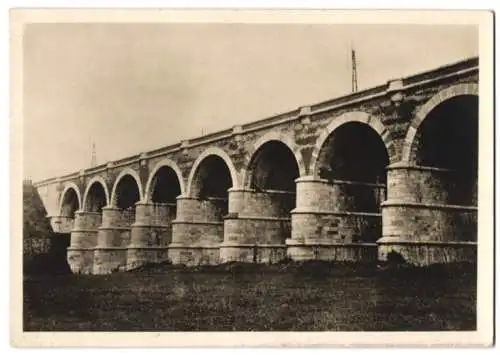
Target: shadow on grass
{"type": "Point", "coordinates": [320, 269]}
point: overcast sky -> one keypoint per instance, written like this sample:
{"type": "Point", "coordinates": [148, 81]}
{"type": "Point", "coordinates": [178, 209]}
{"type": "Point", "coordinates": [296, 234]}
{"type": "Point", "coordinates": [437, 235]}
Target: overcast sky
{"type": "Point", "coordinates": [134, 87]}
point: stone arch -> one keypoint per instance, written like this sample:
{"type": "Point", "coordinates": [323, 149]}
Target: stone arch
{"type": "Point", "coordinates": [268, 137]}
{"type": "Point", "coordinates": [357, 116]}
{"type": "Point", "coordinates": [409, 146]}
{"type": "Point", "coordinates": [100, 180]}
{"type": "Point", "coordinates": [131, 172]}
{"type": "Point", "coordinates": [70, 186]}
{"type": "Point", "coordinates": [164, 163]}
{"type": "Point", "coordinates": [206, 153]}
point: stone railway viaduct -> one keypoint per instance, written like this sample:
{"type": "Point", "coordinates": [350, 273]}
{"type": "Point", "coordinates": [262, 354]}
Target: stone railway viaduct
{"type": "Point", "coordinates": [391, 168]}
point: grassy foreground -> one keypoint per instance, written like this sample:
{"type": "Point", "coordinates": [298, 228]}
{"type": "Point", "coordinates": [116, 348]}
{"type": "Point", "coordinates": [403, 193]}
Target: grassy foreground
{"type": "Point", "coordinates": [314, 296]}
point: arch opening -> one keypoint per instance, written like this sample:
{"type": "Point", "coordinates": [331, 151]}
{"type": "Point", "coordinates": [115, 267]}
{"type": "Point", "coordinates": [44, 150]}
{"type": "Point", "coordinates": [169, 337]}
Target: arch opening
{"type": "Point", "coordinates": [448, 139]}
{"type": "Point", "coordinates": [127, 194]}
{"type": "Point", "coordinates": [96, 198]}
{"type": "Point", "coordinates": [354, 158]}
{"type": "Point", "coordinates": [70, 203]}
{"type": "Point", "coordinates": [271, 173]}
{"type": "Point", "coordinates": [165, 186]}
{"type": "Point", "coordinates": [211, 182]}
{"type": "Point", "coordinates": [273, 167]}
{"type": "Point", "coordinates": [212, 178]}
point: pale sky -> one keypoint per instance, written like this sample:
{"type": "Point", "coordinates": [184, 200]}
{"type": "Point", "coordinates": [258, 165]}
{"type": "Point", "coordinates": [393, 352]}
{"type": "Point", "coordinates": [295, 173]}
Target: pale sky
{"type": "Point", "coordinates": [135, 87]}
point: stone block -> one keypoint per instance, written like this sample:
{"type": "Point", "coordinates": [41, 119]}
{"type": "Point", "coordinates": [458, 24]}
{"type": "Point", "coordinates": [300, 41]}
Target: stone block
{"type": "Point", "coordinates": [429, 222]}
{"type": "Point", "coordinates": [109, 260]}
{"type": "Point", "coordinates": [354, 252]}
{"type": "Point", "coordinates": [250, 230]}
{"type": "Point", "coordinates": [252, 253]}
{"type": "Point", "coordinates": [261, 203]}
{"type": "Point", "coordinates": [418, 184]}
{"type": "Point", "coordinates": [336, 227]}
{"type": "Point", "coordinates": [81, 260]}
{"type": "Point", "coordinates": [137, 257]}
{"type": "Point", "coordinates": [113, 237]}
{"type": "Point", "coordinates": [182, 254]}
{"type": "Point", "coordinates": [83, 238]}
{"type": "Point", "coordinates": [193, 209]}
{"type": "Point", "coordinates": [150, 235]}
{"type": "Point", "coordinates": [427, 253]}
{"type": "Point", "coordinates": [185, 232]}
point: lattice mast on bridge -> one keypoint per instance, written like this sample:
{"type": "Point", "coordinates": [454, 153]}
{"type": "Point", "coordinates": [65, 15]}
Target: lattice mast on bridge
{"type": "Point", "coordinates": [93, 160]}
{"type": "Point", "coordinates": [354, 70]}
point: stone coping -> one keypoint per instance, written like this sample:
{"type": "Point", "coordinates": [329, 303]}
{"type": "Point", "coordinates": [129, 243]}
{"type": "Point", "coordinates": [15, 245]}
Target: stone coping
{"type": "Point", "coordinates": [147, 247]}
{"type": "Point", "coordinates": [263, 191]}
{"type": "Point", "coordinates": [406, 166]}
{"type": "Point", "coordinates": [88, 213]}
{"type": "Point", "coordinates": [101, 228]}
{"type": "Point", "coordinates": [356, 183]}
{"type": "Point", "coordinates": [196, 198]}
{"type": "Point", "coordinates": [319, 180]}
{"type": "Point", "coordinates": [436, 206]}
{"type": "Point", "coordinates": [159, 204]}
{"type": "Point", "coordinates": [83, 230]}
{"type": "Point", "coordinates": [257, 218]}
{"type": "Point", "coordinates": [111, 208]}
{"type": "Point", "coordinates": [335, 213]}
{"type": "Point", "coordinates": [150, 225]}
{"type": "Point", "coordinates": [192, 246]}
{"type": "Point", "coordinates": [198, 222]}
{"type": "Point", "coordinates": [307, 243]}
{"type": "Point", "coordinates": [70, 248]}
{"type": "Point", "coordinates": [103, 247]}
{"type": "Point", "coordinates": [250, 245]}
{"type": "Point", "coordinates": [399, 240]}
{"type": "Point", "coordinates": [311, 178]}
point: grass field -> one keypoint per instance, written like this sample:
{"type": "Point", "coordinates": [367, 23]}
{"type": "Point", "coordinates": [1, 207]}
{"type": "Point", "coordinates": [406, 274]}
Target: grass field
{"type": "Point", "coordinates": [312, 296]}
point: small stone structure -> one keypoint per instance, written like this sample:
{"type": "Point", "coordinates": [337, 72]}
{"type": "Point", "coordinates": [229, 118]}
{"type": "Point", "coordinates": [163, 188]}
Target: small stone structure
{"type": "Point", "coordinates": [388, 169]}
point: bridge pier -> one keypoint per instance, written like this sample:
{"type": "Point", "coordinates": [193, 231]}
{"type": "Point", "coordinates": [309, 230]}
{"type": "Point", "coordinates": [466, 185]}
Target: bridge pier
{"type": "Point", "coordinates": [83, 240]}
{"type": "Point", "coordinates": [257, 224]}
{"type": "Point", "coordinates": [113, 237]}
{"type": "Point", "coordinates": [327, 223]}
{"type": "Point", "coordinates": [420, 224]}
{"type": "Point", "coordinates": [150, 233]}
{"type": "Point", "coordinates": [197, 231]}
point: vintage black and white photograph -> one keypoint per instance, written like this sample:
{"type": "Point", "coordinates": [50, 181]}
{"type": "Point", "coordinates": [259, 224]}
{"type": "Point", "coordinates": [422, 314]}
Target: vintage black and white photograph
{"type": "Point", "coordinates": [245, 176]}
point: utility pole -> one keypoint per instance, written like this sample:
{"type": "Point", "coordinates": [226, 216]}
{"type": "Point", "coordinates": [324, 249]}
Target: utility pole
{"type": "Point", "coordinates": [354, 71]}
